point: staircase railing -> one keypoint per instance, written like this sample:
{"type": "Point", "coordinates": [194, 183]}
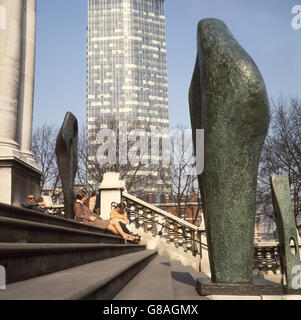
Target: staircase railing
{"type": "Point", "coordinates": [158, 222]}
{"type": "Point", "coordinates": [267, 257]}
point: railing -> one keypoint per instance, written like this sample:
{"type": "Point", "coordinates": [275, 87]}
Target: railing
{"type": "Point", "coordinates": [266, 257]}
{"type": "Point", "coordinates": [158, 222]}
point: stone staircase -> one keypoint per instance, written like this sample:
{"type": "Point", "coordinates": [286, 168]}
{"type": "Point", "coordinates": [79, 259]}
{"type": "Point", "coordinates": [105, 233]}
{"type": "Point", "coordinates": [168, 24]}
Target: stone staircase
{"type": "Point", "coordinates": [48, 257]}
{"type": "Point", "coordinates": [163, 279]}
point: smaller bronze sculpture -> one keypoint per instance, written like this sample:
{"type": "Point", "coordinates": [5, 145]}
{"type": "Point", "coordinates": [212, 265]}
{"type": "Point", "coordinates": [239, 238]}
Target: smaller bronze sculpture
{"type": "Point", "coordinates": [287, 231]}
{"type": "Point", "coordinates": [66, 153]}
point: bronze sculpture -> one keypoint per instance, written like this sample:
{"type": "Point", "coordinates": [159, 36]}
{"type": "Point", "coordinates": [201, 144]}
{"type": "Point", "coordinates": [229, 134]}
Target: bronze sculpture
{"type": "Point", "coordinates": [228, 99]}
{"type": "Point", "coordinates": [287, 232]}
{"type": "Point", "coordinates": [66, 153]}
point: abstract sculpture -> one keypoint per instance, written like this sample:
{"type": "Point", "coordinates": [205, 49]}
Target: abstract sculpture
{"type": "Point", "coordinates": [66, 153]}
{"type": "Point", "coordinates": [228, 99]}
{"type": "Point", "coordinates": [287, 232]}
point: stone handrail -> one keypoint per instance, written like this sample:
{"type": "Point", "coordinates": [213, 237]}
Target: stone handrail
{"type": "Point", "coordinates": [162, 212]}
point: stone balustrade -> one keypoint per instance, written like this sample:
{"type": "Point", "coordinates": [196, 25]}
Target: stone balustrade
{"type": "Point", "coordinates": [267, 257]}
{"type": "Point", "coordinates": [157, 222]}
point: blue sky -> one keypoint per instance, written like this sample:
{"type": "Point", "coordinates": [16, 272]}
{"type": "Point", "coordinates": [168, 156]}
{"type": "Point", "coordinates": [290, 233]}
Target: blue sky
{"type": "Point", "coordinates": [263, 28]}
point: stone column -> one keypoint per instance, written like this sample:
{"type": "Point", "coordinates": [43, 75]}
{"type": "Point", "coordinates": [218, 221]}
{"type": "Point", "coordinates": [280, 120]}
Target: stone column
{"type": "Point", "coordinates": [26, 93]}
{"type": "Point", "coordinates": [19, 175]}
{"type": "Point", "coordinates": [10, 64]}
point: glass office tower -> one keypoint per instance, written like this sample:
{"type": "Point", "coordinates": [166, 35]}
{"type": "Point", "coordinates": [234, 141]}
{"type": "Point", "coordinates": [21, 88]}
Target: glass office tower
{"type": "Point", "coordinates": [127, 69]}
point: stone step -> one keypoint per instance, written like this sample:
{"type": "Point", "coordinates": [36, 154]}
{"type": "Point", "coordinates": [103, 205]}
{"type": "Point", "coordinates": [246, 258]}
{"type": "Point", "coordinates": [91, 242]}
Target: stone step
{"type": "Point", "coordinates": [16, 230]}
{"type": "Point", "coordinates": [25, 260]}
{"type": "Point", "coordinates": [35, 216]}
{"type": "Point", "coordinates": [100, 280]}
{"type": "Point", "coordinates": [152, 283]}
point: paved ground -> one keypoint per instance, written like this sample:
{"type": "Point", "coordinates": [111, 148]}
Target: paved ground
{"type": "Point", "coordinates": [184, 280]}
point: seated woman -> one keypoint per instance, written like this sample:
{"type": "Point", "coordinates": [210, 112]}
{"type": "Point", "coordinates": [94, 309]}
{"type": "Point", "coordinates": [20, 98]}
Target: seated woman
{"type": "Point", "coordinates": [119, 214]}
{"type": "Point", "coordinates": [86, 216]}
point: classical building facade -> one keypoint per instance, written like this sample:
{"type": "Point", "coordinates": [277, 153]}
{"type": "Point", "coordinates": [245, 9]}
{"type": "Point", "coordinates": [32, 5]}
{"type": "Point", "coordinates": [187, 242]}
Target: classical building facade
{"type": "Point", "coordinates": [127, 72]}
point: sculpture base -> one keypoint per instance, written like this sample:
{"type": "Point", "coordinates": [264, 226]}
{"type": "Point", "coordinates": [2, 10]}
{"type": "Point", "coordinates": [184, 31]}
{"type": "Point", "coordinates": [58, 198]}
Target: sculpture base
{"type": "Point", "coordinates": [17, 179]}
{"type": "Point", "coordinates": [259, 287]}
{"type": "Point", "coordinates": [295, 292]}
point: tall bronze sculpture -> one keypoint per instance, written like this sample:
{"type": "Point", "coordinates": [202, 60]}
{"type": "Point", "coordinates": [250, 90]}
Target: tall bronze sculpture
{"type": "Point", "coordinates": [228, 99]}
{"type": "Point", "coordinates": [66, 153]}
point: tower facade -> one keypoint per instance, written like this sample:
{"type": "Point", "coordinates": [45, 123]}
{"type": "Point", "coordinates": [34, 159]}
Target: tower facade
{"type": "Point", "coordinates": [127, 71]}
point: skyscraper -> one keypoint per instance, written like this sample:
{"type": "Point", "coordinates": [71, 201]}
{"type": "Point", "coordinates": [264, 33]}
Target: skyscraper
{"type": "Point", "coordinates": [126, 67]}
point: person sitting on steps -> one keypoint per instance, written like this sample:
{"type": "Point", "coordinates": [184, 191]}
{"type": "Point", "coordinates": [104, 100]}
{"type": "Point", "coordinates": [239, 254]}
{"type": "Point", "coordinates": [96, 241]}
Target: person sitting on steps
{"type": "Point", "coordinates": [83, 213]}
{"type": "Point", "coordinates": [119, 214]}
{"type": "Point", "coordinates": [93, 203]}
{"type": "Point", "coordinates": [31, 204]}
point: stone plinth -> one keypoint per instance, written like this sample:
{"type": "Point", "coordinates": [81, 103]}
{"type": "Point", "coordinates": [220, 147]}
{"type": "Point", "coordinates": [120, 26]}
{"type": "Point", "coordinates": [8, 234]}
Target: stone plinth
{"type": "Point", "coordinates": [258, 287]}
{"type": "Point", "coordinates": [18, 179]}
{"type": "Point", "coordinates": [110, 191]}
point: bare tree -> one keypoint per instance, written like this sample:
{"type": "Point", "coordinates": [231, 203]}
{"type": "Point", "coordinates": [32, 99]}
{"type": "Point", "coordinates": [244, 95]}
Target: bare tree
{"type": "Point", "coordinates": [43, 149]}
{"type": "Point", "coordinates": [90, 168]}
{"type": "Point", "coordinates": [92, 165]}
{"type": "Point", "coordinates": [281, 156]}
{"type": "Point", "coordinates": [181, 182]}
{"type": "Point", "coordinates": [81, 177]}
